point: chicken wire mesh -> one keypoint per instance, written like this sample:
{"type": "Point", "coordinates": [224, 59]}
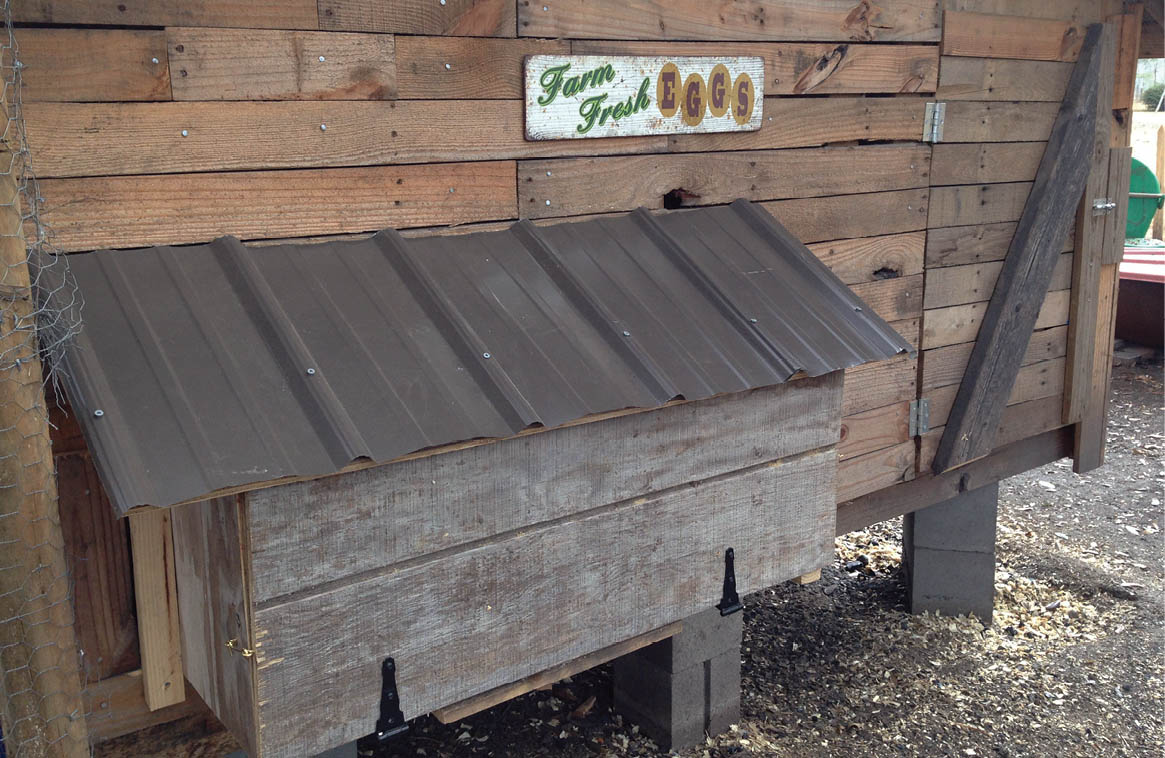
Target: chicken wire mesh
{"type": "Point", "coordinates": [41, 708]}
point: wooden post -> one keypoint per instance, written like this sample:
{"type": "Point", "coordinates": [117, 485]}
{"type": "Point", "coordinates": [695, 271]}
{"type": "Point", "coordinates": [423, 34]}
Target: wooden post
{"type": "Point", "coordinates": [41, 704]}
{"type": "Point", "coordinates": [156, 590]}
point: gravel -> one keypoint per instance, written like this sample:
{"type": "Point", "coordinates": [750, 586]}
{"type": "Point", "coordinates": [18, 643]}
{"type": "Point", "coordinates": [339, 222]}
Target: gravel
{"type": "Point", "coordinates": [1071, 666]}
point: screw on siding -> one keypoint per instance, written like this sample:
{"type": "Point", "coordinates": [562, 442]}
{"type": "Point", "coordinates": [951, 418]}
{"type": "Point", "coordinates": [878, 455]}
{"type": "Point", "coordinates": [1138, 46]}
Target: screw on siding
{"type": "Point", "coordinates": [323, 127]}
{"type": "Point", "coordinates": [857, 307]}
{"type": "Point", "coordinates": [452, 190]}
{"type": "Point", "coordinates": [442, 2]}
{"type": "Point", "coordinates": [626, 333]}
{"type": "Point", "coordinates": [154, 60]}
{"type": "Point", "coordinates": [185, 133]}
{"type": "Point", "coordinates": [311, 372]}
{"type": "Point", "coordinates": [752, 321]}
{"type": "Point", "coordinates": [322, 59]}
{"type": "Point", "coordinates": [545, 7]}
{"type": "Point", "coordinates": [548, 202]}
{"type": "Point", "coordinates": [448, 66]}
{"type": "Point", "coordinates": [548, 173]}
{"type": "Point", "coordinates": [98, 413]}
{"type": "Point", "coordinates": [487, 356]}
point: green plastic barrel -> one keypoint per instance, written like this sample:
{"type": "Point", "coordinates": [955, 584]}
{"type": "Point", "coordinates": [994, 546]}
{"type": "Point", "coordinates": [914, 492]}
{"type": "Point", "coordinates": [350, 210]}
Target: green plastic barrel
{"type": "Point", "coordinates": [1141, 208]}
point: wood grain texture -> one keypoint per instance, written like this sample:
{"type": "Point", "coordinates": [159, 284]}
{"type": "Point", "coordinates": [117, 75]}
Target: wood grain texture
{"type": "Point", "coordinates": [874, 429]}
{"type": "Point", "coordinates": [1032, 382]}
{"type": "Point", "coordinates": [799, 68]}
{"type": "Point", "coordinates": [159, 631]}
{"type": "Point", "coordinates": [470, 612]}
{"type": "Point", "coordinates": [867, 473]}
{"type": "Point", "coordinates": [960, 245]}
{"type": "Point", "coordinates": [58, 65]}
{"type": "Point", "coordinates": [258, 14]}
{"type": "Point", "coordinates": [308, 534]}
{"type": "Point", "coordinates": [985, 162]}
{"type": "Point", "coordinates": [806, 122]}
{"type": "Point", "coordinates": [894, 299]}
{"type": "Point", "coordinates": [996, 36]}
{"type": "Point", "coordinates": [870, 259]}
{"type": "Point", "coordinates": [840, 216]}
{"type": "Point", "coordinates": [89, 214]}
{"type": "Point", "coordinates": [466, 68]}
{"type": "Point", "coordinates": [960, 323]}
{"type": "Point", "coordinates": [252, 64]}
{"type": "Point", "coordinates": [946, 365]}
{"type": "Point", "coordinates": [974, 204]}
{"type": "Point", "coordinates": [600, 185]}
{"type": "Point", "coordinates": [984, 121]}
{"type": "Point", "coordinates": [116, 706]}
{"type": "Point", "coordinates": [875, 385]}
{"type": "Point", "coordinates": [458, 18]}
{"type": "Point", "coordinates": [72, 139]}
{"type": "Point", "coordinates": [1021, 421]}
{"type": "Point", "coordinates": [213, 595]}
{"type": "Point", "coordinates": [955, 285]}
{"type": "Point", "coordinates": [1077, 11]}
{"type": "Point", "coordinates": [1089, 445]}
{"type": "Point", "coordinates": [999, 79]}
{"type": "Point", "coordinates": [831, 20]}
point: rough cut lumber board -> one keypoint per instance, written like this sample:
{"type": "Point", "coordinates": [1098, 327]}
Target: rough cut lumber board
{"type": "Point", "coordinates": [458, 18]}
{"type": "Point", "coordinates": [598, 185]}
{"type": "Point", "coordinates": [478, 68]}
{"type": "Point", "coordinates": [960, 323]}
{"type": "Point", "coordinates": [809, 578]}
{"type": "Point", "coordinates": [997, 79]}
{"type": "Point", "coordinates": [137, 211]}
{"type": "Point", "coordinates": [872, 213]}
{"type": "Point", "coordinates": [985, 162]}
{"type": "Point", "coordinates": [862, 474]}
{"type": "Point", "coordinates": [894, 299]}
{"type": "Point", "coordinates": [307, 534]}
{"type": "Point", "coordinates": [1027, 269]}
{"type": "Point", "coordinates": [1128, 37]}
{"type": "Point", "coordinates": [875, 385]}
{"type": "Point", "coordinates": [159, 631]}
{"type": "Point", "coordinates": [1078, 11]}
{"type": "Point", "coordinates": [59, 65]}
{"type": "Point", "coordinates": [257, 14]}
{"type": "Point", "coordinates": [73, 139]}
{"type": "Point", "coordinates": [117, 706]}
{"type": "Point", "coordinates": [955, 285]}
{"type": "Point", "coordinates": [1089, 445]}
{"type": "Point", "coordinates": [798, 68]}
{"type": "Point", "coordinates": [927, 489]}
{"type": "Point", "coordinates": [499, 695]}
{"type": "Point", "coordinates": [806, 122]}
{"type": "Point", "coordinates": [828, 20]}
{"type": "Point", "coordinates": [870, 259]}
{"type": "Point", "coordinates": [1032, 382]}
{"type": "Point", "coordinates": [1020, 421]}
{"type": "Point", "coordinates": [994, 36]}
{"type": "Point", "coordinates": [874, 429]}
{"type": "Point", "coordinates": [1119, 170]}
{"type": "Point", "coordinates": [210, 548]}
{"type": "Point", "coordinates": [252, 64]}
{"type": "Point", "coordinates": [946, 365]}
{"type": "Point", "coordinates": [960, 245]}
{"type": "Point", "coordinates": [985, 121]}
{"type": "Point", "coordinates": [319, 663]}
{"type": "Point", "coordinates": [977, 203]}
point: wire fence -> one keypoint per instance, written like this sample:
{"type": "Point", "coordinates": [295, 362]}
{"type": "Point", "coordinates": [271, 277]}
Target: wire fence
{"type": "Point", "coordinates": [41, 708]}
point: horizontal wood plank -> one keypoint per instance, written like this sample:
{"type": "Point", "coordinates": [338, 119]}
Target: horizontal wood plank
{"type": "Point", "coordinates": [875, 385]}
{"type": "Point", "coordinates": [840, 216]}
{"type": "Point", "coordinates": [1077, 11]}
{"type": "Point", "coordinates": [999, 79]}
{"type": "Point", "coordinates": [257, 14]}
{"type": "Point", "coordinates": [58, 65]}
{"type": "Point", "coordinates": [984, 121]}
{"type": "Point", "coordinates": [955, 285]}
{"type": "Point", "coordinates": [466, 68]}
{"type": "Point", "coordinates": [985, 162]}
{"type": "Point", "coordinates": [870, 472]}
{"type": "Point", "coordinates": [1020, 421]}
{"type": "Point", "coordinates": [71, 139]}
{"type": "Point", "coordinates": [895, 298]}
{"type": "Point", "coordinates": [802, 68]}
{"type": "Point", "coordinates": [990, 35]}
{"type": "Point", "coordinates": [1034, 381]}
{"type": "Point", "coordinates": [116, 706]}
{"type": "Point", "coordinates": [458, 18]}
{"type": "Point", "coordinates": [831, 20]}
{"type": "Point", "coordinates": [254, 64]}
{"type": "Point", "coordinates": [600, 185]}
{"type": "Point", "coordinates": [137, 211]}
{"type": "Point", "coordinates": [969, 204]}
{"type": "Point", "coordinates": [960, 245]}
{"type": "Point", "coordinates": [960, 323]}
{"type": "Point", "coordinates": [870, 259]}
{"type": "Point", "coordinates": [874, 429]}
{"type": "Point", "coordinates": [945, 365]}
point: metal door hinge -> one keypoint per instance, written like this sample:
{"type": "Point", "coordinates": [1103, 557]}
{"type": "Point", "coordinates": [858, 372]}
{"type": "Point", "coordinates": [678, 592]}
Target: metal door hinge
{"type": "Point", "coordinates": [919, 417]}
{"type": "Point", "coordinates": [932, 123]}
{"type": "Point", "coordinates": [1102, 206]}
{"type": "Point", "coordinates": [729, 599]}
{"type": "Point", "coordinates": [391, 722]}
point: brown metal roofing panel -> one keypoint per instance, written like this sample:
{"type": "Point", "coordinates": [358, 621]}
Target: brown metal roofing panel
{"type": "Point", "coordinates": [215, 366]}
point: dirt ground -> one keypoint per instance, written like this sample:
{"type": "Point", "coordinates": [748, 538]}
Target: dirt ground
{"type": "Point", "coordinates": [1071, 666]}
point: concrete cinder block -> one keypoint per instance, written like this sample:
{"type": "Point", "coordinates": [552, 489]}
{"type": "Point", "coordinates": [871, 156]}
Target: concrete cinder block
{"type": "Point", "coordinates": [965, 522]}
{"type": "Point", "coordinates": [705, 635]}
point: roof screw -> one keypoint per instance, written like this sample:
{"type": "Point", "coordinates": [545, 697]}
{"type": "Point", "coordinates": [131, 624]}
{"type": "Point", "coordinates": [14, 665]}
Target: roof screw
{"type": "Point", "coordinates": [857, 307]}
{"type": "Point", "coordinates": [487, 356]}
{"type": "Point", "coordinates": [549, 173]}
{"type": "Point", "coordinates": [452, 190]}
{"type": "Point", "coordinates": [98, 413]}
{"type": "Point", "coordinates": [448, 66]}
{"type": "Point", "coordinates": [626, 333]}
{"type": "Point", "coordinates": [752, 321]}
{"type": "Point", "coordinates": [442, 2]}
{"type": "Point", "coordinates": [154, 60]}
{"type": "Point", "coordinates": [322, 59]}
{"type": "Point", "coordinates": [185, 133]}
{"type": "Point", "coordinates": [311, 372]}
{"type": "Point", "coordinates": [323, 127]}
{"type": "Point", "coordinates": [548, 202]}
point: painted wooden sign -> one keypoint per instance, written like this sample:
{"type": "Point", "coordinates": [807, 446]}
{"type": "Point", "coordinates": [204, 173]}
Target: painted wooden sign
{"type": "Point", "coordinates": [576, 96]}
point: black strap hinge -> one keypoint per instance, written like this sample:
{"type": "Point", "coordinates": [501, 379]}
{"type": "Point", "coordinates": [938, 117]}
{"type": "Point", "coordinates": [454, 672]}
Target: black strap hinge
{"type": "Point", "coordinates": [729, 600]}
{"type": "Point", "coordinates": [392, 721]}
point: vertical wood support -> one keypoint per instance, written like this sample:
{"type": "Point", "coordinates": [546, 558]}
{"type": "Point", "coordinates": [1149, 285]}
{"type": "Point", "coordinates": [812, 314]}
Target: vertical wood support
{"type": "Point", "coordinates": [156, 590]}
{"type": "Point", "coordinates": [40, 691]}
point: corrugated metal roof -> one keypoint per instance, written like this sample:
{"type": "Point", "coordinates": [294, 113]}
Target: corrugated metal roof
{"type": "Point", "coordinates": [214, 366]}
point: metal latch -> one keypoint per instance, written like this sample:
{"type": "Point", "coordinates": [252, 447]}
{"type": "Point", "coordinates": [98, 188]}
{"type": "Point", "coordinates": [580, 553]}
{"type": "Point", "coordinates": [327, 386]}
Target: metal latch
{"type": "Point", "coordinates": [729, 600]}
{"type": "Point", "coordinates": [1102, 206]}
{"type": "Point", "coordinates": [392, 721]}
{"type": "Point", "coordinates": [919, 417]}
{"type": "Point", "coordinates": [932, 123]}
